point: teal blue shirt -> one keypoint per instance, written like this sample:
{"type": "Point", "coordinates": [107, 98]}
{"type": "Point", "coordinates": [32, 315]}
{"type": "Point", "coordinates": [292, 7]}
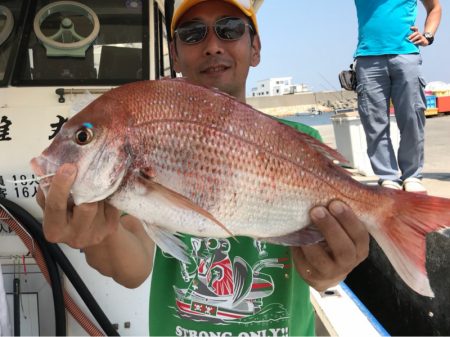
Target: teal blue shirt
{"type": "Point", "coordinates": [384, 27]}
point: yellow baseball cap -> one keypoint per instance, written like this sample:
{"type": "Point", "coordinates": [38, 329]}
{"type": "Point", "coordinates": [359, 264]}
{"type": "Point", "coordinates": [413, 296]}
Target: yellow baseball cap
{"type": "Point", "coordinates": [182, 6]}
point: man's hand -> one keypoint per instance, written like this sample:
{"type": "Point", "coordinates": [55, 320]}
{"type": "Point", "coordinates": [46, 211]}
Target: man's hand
{"type": "Point", "coordinates": [417, 38]}
{"type": "Point", "coordinates": [346, 245]}
{"type": "Point", "coordinates": [109, 243]}
{"type": "Point", "coordinates": [78, 226]}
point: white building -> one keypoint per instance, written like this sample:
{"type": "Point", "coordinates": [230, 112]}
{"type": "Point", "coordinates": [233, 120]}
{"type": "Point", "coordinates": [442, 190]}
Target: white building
{"type": "Point", "coordinates": [277, 86]}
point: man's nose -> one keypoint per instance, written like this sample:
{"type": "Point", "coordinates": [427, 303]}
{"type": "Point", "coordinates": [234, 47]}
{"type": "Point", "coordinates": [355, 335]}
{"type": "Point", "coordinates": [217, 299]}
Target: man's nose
{"type": "Point", "coordinates": [212, 44]}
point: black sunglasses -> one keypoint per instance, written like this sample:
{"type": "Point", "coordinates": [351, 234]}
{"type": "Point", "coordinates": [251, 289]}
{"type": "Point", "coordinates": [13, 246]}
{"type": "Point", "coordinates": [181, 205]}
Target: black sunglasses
{"type": "Point", "coordinates": [227, 29]}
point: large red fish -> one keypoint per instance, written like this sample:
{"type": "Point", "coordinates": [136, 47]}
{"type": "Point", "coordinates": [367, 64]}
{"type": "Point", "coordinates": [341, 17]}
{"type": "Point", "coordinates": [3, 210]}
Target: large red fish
{"type": "Point", "coordinates": [186, 159]}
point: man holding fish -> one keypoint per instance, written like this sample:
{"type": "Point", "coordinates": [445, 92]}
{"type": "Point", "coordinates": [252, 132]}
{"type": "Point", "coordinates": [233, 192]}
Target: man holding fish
{"type": "Point", "coordinates": [243, 284]}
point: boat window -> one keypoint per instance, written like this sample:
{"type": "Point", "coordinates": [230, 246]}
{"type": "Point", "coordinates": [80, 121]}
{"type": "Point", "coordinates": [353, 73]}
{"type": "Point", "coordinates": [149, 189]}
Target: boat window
{"type": "Point", "coordinates": [162, 57]}
{"type": "Point", "coordinates": [10, 13]}
{"type": "Point", "coordinates": [94, 42]}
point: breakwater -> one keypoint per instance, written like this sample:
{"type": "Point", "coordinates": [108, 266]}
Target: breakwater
{"type": "Point", "coordinates": [287, 105]}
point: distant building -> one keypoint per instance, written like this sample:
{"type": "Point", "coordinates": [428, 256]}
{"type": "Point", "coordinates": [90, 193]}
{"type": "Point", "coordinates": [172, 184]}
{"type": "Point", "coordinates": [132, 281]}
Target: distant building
{"type": "Point", "coordinates": [277, 86]}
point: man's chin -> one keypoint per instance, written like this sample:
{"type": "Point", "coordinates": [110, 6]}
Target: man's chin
{"type": "Point", "coordinates": [219, 80]}
{"type": "Point", "coordinates": [217, 83]}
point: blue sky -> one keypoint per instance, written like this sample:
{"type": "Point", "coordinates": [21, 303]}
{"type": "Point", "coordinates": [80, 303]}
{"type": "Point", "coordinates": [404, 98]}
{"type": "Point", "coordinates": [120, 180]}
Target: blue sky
{"type": "Point", "coordinates": [313, 40]}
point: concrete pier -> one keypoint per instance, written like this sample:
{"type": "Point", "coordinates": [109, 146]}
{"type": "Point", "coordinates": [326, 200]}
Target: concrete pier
{"type": "Point", "coordinates": [437, 155]}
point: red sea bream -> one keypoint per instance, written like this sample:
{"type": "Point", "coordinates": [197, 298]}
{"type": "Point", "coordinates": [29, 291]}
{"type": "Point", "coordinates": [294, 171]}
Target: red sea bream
{"type": "Point", "coordinates": [186, 159]}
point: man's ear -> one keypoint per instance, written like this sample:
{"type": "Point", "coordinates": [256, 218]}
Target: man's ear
{"type": "Point", "coordinates": [174, 56]}
{"type": "Point", "coordinates": [256, 51]}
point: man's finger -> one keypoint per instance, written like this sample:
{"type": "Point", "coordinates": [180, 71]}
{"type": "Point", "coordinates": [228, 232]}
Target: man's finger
{"type": "Point", "coordinates": [59, 190]}
{"type": "Point", "coordinates": [339, 242]}
{"type": "Point", "coordinates": [55, 213]}
{"type": "Point", "coordinates": [318, 259]}
{"type": "Point", "coordinates": [40, 198]}
{"type": "Point", "coordinates": [112, 216]}
{"type": "Point", "coordinates": [355, 228]}
{"type": "Point", "coordinates": [83, 217]}
{"type": "Point", "coordinates": [301, 263]}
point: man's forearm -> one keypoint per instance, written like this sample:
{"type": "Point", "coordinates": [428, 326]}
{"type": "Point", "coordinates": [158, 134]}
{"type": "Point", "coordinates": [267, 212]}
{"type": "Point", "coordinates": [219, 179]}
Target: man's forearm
{"type": "Point", "coordinates": [434, 13]}
{"type": "Point", "coordinates": [126, 255]}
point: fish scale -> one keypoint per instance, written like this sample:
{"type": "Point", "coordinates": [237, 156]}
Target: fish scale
{"type": "Point", "coordinates": [187, 159]}
{"type": "Point", "coordinates": [249, 178]}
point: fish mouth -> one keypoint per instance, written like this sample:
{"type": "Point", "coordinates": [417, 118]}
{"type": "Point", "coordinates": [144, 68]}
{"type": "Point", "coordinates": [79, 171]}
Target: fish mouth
{"type": "Point", "coordinates": [42, 166]}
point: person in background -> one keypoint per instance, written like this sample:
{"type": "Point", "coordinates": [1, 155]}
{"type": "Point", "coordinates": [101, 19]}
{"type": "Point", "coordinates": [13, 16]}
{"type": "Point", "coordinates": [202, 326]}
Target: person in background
{"type": "Point", "coordinates": [388, 65]}
{"type": "Point", "coordinates": [229, 287]}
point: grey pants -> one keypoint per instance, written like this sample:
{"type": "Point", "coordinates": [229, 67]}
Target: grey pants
{"type": "Point", "coordinates": [396, 77]}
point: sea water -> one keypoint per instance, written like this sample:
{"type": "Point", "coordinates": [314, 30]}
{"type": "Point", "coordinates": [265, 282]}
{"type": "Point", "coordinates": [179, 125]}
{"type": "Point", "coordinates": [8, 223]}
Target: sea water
{"type": "Point", "coordinates": [311, 119]}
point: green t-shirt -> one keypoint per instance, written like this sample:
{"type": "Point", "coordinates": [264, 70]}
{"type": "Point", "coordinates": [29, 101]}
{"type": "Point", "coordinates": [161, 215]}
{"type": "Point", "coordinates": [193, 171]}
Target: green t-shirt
{"type": "Point", "coordinates": [230, 287]}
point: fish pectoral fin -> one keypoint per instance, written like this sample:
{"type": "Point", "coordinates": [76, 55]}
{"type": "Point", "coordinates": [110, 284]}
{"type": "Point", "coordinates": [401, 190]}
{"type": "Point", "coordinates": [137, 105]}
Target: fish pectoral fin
{"type": "Point", "coordinates": [168, 242]}
{"type": "Point", "coordinates": [180, 200]}
{"type": "Point", "coordinates": [306, 236]}
{"type": "Point", "coordinates": [147, 173]}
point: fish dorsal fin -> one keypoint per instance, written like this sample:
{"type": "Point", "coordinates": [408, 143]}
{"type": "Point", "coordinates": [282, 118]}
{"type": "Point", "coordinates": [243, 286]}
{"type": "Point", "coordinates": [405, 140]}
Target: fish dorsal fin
{"type": "Point", "coordinates": [325, 150]}
{"type": "Point", "coordinates": [179, 200]}
{"type": "Point", "coordinates": [213, 89]}
{"type": "Point", "coordinates": [80, 102]}
{"type": "Point", "coordinates": [329, 153]}
{"type": "Point", "coordinates": [217, 91]}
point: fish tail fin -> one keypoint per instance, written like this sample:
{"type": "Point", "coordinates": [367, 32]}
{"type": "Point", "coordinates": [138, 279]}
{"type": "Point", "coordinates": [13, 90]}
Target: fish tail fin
{"type": "Point", "coordinates": [402, 235]}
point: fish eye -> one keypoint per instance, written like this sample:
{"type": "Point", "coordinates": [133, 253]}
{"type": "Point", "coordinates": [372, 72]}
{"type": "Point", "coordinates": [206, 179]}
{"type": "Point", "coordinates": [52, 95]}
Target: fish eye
{"type": "Point", "coordinates": [84, 136]}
